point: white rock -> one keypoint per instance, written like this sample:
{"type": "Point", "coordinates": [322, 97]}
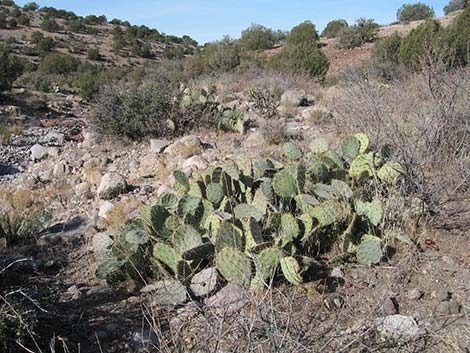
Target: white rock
{"type": "Point", "coordinates": [190, 144]}
{"type": "Point", "coordinates": [158, 146]}
{"type": "Point", "coordinates": [112, 185]}
{"type": "Point", "coordinates": [398, 326]}
{"type": "Point", "coordinates": [105, 208]}
{"type": "Point", "coordinates": [294, 98]}
{"type": "Point", "coordinates": [60, 169]}
{"type": "Point", "coordinates": [38, 152]}
{"type": "Point", "coordinates": [229, 299]}
{"type": "Point", "coordinates": [197, 162]}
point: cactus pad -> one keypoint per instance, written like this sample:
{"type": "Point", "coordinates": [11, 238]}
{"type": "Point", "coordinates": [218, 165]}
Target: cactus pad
{"type": "Point", "coordinates": [285, 185]}
{"type": "Point", "coordinates": [215, 193]}
{"type": "Point", "coordinates": [370, 251]}
{"type": "Point", "coordinates": [372, 210]}
{"type": "Point", "coordinates": [292, 151]}
{"type": "Point", "coordinates": [291, 270]}
{"type": "Point", "coordinates": [234, 266]}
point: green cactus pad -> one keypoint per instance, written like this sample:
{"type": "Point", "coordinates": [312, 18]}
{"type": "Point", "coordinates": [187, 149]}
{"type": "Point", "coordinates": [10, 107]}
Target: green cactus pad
{"type": "Point", "coordinates": [199, 253]}
{"type": "Point", "coordinates": [231, 169]}
{"type": "Point", "coordinates": [169, 201]}
{"type": "Point", "coordinates": [135, 234]}
{"type": "Point", "coordinates": [260, 201]}
{"type": "Point", "coordinates": [229, 236]}
{"type": "Point", "coordinates": [110, 270]}
{"type": "Point", "coordinates": [390, 172]}
{"type": "Point", "coordinates": [319, 145]}
{"type": "Point", "coordinates": [181, 182]}
{"type": "Point", "coordinates": [102, 243]}
{"type": "Point", "coordinates": [350, 148]}
{"type": "Point", "coordinates": [362, 167]}
{"type": "Point", "coordinates": [167, 255]}
{"type": "Point", "coordinates": [245, 211]}
{"type": "Point", "coordinates": [215, 193]}
{"type": "Point", "coordinates": [330, 212]}
{"type": "Point", "coordinates": [370, 251]}
{"type": "Point", "coordinates": [323, 191]}
{"type": "Point", "coordinates": [332, 159]}
{"type": "Point", "coordinates": [317, 170]}
{"type": "Point", "coordinates": [253, 233]}
{"type": "Point", "coordinates": [285, 185]}
{"type": "Point", "coordinates": [291, 270]}
{"type": "Point", "coordinates": [364, 142]}
{"type": "Point", "coordinates": [234, 266]}
{"type": "Point", "coordinates": [292, 151]}
{"type": "Point", "coordinates": [189, 205]}
{"type": "Point", "coordinates": [372, 210]}
{"type": "Point", "coordinates": [290, 228]}
{"type": "Point", "coordinates": [267, 263]}
{"type": "Point", "coordinates": [186, 238]}
{"type": "Point", "coordinates": [342, 189]}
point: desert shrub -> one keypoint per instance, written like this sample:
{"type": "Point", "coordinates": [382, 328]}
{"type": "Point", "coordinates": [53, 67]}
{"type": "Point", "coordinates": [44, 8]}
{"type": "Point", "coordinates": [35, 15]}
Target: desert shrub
{"type": "Point", "coordinates": [455, 5]}
{"type": "Point", "coordinates": [3, 21]}
{"type": "Point", "coordinates": [426, 131]}
{"type": "Point", "coordinates": [135, 111]}
{"type": "Point", "coordinates": [75, 26]}
{"type": "Point", "coordinates": [387, 49]}
{"type": "Point", "coordinates": [21, 216]}
{"type": "Point", "coordinates": [91, 78]}
{"type": "Point", "coordinates": [24, 20]}
{"type": "Point", "coordinates": [49, 25]}
{"type": "Point", "coordinates": [9, 3]}
{"type": "Point", "coordinates": [16, 13]}
{"type": "Point", "coordinates": [31, 6]}
{"type": "Point", "coordinates": [302, 33]}
{"type": "Point", "coordinates": [36, 36]}
{"type": "Point", "coordinates": [422, 45]}
{"type": "Point", "coordinates": [221, 55]}
{"type": "Point", "coordinates": [414, 12]}
{"type": "Point", "coordinates": [12, 23]}
{"type": "Point", "coordinates": [303, 58]}
{"type": "Point", "coordinates": [58, 64]}
{"type": "Point", "coordinates": [257, 37]}
{"type": "Point", "coordinates": [93, 54]}
{"type": "Point", "coordinates": [364, 31]}
{"type": "Point", "coordinates": [457, 37]}
{"type": "Point", "coordinates": [333, 28]}
{"type": "Point", "coordinates": [45, 45]}
{"type": "Point", "coordinates": [10, 68]}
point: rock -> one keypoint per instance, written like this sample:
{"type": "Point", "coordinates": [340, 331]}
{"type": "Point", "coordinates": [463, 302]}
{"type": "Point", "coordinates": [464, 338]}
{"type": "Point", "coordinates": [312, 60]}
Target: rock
{"type": "Point", "coordinates": [294, 128]}
{"type": "Point", "coordinates": [229, 299]}
{"type": "Point", "coordinates": [45, 176]}
{"type": "Point", "coordinates": [294, 98]}
{"type": "Point", "coordinates": [197, 162]}
{"type": "Point", "coordinates": [185, 147]}
{"type": "Point", "coordinates": [92, 163]}
{"type": "Point", "coordinates": [158, 146]}
{"type": "Point", "coordinates": [91, 138]}
{"type": "Point", "coordinates": [83, 190]}
{"type": "Point", "coordinates": [112, 185]}
{"type": "Point", "coordinates": [415, 294]}
{"type": "Point", "coordinates": [204, 282]}
{"type": "Point", "coordinates": [148, 166]}
{"type": "Point", "coordinates": [184, 315]}
{"type": "Point", "coordinates": [38, 152]}
{"type": "Point", "coordinates": [105, 208]}
{"type": "Point", "coordinates": [61, 169]}
{"type": "Point", "coordinates": [55, 137]}
{"type": "Point", "coordinates": [167, 292]}
{"type": "Point", "coordinates": [441, 295]}
{"type": "Point", "coordinates": [145, 341]}
{"type": "Point", "coordinates": [337, 272]}
{"type": "Point", "coordinates": [389, 306]}
{"type": "Point", "coordinates": [398, 326]}
{"type": "Point", "coordinates": [53, 152]}
{"type": "Point", "coordinates": [448, 308]}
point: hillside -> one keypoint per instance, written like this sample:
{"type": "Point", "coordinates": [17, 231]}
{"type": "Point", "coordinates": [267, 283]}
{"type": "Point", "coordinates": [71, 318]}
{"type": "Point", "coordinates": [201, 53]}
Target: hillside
{"type": "Point", "coordinates": [270, 194]}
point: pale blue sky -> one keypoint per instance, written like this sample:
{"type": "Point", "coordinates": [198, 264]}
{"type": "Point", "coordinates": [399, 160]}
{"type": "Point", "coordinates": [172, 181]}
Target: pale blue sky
{"type": "Point", "coordinates": [206, 20]}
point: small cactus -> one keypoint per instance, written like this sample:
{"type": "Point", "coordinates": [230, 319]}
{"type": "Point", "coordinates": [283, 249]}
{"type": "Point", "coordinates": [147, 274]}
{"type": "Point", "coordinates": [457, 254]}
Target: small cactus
{"type": "Point", "coordinates": [234, 266]}
{"type": "Point", "coordinates": [370, 250]}
{"type": "Point", "coordinates": [292, 151]}
{"type": "Point", "coordinates": [291, 270]}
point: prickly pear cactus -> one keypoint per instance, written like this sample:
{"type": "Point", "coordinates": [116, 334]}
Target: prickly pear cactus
{"type": "Point", "coordinates": [234, 266]}
{"type": "Point", "coordinates": [285, 185]}
{"type": "Point", "coordinates": [370, 250]}
{"type": "Point", "coordinates": [350, 148]}
{"type": "Point", "coordinates": [292, 151]}
{"type": "Point", "coordinates": [291, 270]}
{"type": "Point", "coordinates": [245, 211]}
{"type": "Point", "coordinates": [371, 210]}
{"type": "Point", "coordinates": [390, 172]}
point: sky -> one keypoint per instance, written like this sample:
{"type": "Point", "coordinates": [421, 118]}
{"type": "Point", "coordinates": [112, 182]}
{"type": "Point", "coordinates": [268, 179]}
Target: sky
{"type": "Point", "coordinates": [206, 20]}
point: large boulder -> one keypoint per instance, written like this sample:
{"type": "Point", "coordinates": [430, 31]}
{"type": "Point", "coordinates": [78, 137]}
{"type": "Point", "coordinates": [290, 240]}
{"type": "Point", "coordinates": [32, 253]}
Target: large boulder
{"type": "Point", "coordinates": [158, 146]}
{"type": "Point", "coordinates": [185, 147]}
{"type": "Point", "coordinates": [112, 185]}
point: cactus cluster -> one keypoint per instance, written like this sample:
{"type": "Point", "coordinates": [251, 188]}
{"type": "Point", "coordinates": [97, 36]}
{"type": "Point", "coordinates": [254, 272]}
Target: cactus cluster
{"type": "Point", "coordinates": [253, 221]}
{"type": "Point", "coordinates": [230, 119]}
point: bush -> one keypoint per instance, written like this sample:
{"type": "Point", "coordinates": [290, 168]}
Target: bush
{"type": "Point", "coordinates": [10, 68]}
{"type": "Point", "coordinates": [31, 6]}
{"type": "Point", "coordinates": [135, 111]}
{"type": "Point", "coordinates": [455, 5]}
{"type": "Point", "coordinates": [422, 45]}
{"type": "Point", "coordinates": [45, 45]}
{"type": "Point", "coordinates": [333, 28]}
{"type": "Point", "coordinates": [12, 23]}
{"type": "Point", "coordinates": [93, 54]}
{"type": "Point", "coordinates": [303, 58]}
{"type": "Point", "coordinates": [364, 31]}
{"type": "Point", "coordinates": [36, 36]}
{"type": "Point", "coordinates": [222, 55]}
{"type": "Point", "coordinates": [458, 38]}
{"type": "Point", "coordinates": [387, 49]}
{"type": "Point", "coordinates": [257, 37]}
{"type": "Point", "coordinates": [49, 25]}
{"type": "Point", "coordinates": [24, 20]}
{"type": "Point", "coordinates": [414, 12]}
{"type": "Point", "coordinates": [302, 33]}
{"type": "Point", "coordinates": [58, 64]}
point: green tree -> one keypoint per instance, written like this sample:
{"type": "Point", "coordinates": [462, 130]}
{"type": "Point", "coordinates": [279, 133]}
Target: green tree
{"type": "Point", "coordinates": [333, 28]}
{"type": "Point", "coordinates": [458, 38]}
{"type": "Point", "coordinates": [387, 49]}
{"type": "Point", "coordinates": [456, 5]}
{"type": "Point", "coordinates": [414, 12]}
{"type": "Point", "coordinates": [364, 31]}
{"type": "Point", "coordinates": [31, 6]}
{"type": "Point", "coordinates": [10, 68]}
{"type": "Point", "coordinates": [257, 37]}
{"type": "Point", "coordinates": [302, 33]}
{"type": "Point", "coordinates": [49, 25]}
{"type": "Point", "coordinates": [93, 54]}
